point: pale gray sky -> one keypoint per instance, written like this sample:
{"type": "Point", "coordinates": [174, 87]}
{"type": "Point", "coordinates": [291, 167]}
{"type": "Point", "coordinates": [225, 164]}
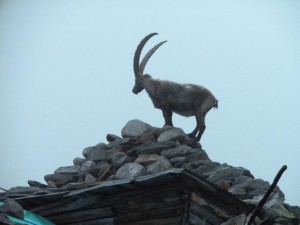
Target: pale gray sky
{"type": "Point", "coordinates": [66, 78]}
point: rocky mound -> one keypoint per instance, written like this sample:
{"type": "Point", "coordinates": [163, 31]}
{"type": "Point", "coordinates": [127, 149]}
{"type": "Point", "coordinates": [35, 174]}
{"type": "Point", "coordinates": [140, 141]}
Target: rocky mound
{"type": "Point", "coordinates": [144, 150]}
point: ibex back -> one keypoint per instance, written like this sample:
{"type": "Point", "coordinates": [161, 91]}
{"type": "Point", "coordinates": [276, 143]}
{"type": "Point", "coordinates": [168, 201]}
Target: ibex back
{"type": "Point", "coordinates": [183, 99]}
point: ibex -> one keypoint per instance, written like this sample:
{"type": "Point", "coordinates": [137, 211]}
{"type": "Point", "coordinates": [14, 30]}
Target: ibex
{"type": "Point", "coordinates": [183, 99]}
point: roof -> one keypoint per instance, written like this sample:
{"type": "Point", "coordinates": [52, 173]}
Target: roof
{"type": "Point", "coordinates": [106, 201]}
{"type": "Point", "coordinates": [168, 176]}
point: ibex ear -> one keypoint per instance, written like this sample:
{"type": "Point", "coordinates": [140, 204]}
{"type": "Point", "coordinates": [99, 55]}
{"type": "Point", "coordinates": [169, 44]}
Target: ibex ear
{"type": "Point", "coordinates": [139, 75]}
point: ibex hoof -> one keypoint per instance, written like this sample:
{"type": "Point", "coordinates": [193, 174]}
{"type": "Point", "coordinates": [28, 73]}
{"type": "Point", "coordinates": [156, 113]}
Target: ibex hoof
{"type": "Point", "coordinates": [192, 142]}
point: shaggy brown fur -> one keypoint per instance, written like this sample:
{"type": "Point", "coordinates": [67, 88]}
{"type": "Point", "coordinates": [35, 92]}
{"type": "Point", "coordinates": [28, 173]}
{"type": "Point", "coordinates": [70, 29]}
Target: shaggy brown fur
{"type": "Point", "coordinates": [183, 99]}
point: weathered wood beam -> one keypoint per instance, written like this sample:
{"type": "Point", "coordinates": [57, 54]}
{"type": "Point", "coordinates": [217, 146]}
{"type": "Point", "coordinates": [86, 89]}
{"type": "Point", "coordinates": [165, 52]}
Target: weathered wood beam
{"type": "Point", "coordinates": [68, 206]}
{"type": "Point", "coordinates": [162, 221]}
{"type": "Point", "coordinates": [81, 215]}
{"type": "Point", "coordinates": [205, 213]}
{"type": "Point", "coordinates": [150, 214]}
{"type": "Point", "coordinates": [104, 221]}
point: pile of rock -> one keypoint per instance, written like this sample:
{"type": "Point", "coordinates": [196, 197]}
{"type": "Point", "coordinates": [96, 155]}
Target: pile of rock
{"type": "Point", "coordinates": [144, 150]}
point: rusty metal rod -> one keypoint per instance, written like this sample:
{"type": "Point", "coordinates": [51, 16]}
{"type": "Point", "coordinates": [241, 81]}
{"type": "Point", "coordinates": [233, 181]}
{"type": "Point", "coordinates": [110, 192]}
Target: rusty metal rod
{"type": "Point", "coordinates": [267, 195]}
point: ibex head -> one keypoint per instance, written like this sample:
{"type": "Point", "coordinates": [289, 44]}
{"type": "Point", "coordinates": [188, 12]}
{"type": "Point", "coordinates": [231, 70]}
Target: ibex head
{"type": "Point", "coordinates": [139, 67]}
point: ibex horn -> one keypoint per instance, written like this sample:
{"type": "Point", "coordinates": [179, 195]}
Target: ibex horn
{"type": "Point", "coordinates": [138, 51]}
{"type": "Point", "coordinates": [148, 56]}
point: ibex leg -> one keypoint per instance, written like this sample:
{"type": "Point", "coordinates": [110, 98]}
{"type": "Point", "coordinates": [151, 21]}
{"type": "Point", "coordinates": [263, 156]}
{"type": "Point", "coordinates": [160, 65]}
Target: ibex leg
{"type": "Point", "coordinates": [198, 126]}
{"type": "Point", "coordinates": [168, 118]}
{"type": "Point", "coordinates": [201, 125]}
{"type": "Point", "coordinates": [194, 132]}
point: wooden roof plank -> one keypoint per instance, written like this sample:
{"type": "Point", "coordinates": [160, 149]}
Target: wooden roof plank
{"type": "Point", "coordinates": [81, 215]}
{"type": "Point", "coordinates": [79, 203]}
{"type": "Point", "coordinates": [152, 213]}
{"type": "Point", "coordinates": [205, 213]}
{"type": "Point", "coordinates": [53, 205]}
{"type": "Point", "coordinates": [104, 221]}
{"type": "Point", "coordinates": [162, 221]}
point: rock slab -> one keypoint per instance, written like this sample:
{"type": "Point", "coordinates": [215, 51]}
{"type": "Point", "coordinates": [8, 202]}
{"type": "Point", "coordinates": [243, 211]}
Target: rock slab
{"type": "Point", "coordinates": [130, 170]}
{"type": "Point", "coordinates": [135, 128]}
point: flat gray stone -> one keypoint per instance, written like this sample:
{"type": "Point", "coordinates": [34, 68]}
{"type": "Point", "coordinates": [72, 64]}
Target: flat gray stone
{"type": "Point", "coordinates": [294, 209]}
{"type": "Point", "coordinates": [90, 152]}
{"type": "Point", "coordinates": [159, 166]}
{"type": "Point", "coordinates": [275, 199]}
{"type": "Point", "coordinates": [205, 168]}
{"type": "Point", "coordinates": [99, 169]}
{"type": "Point", "coordinates": [78, 161]}
{"type": "Point", "coordinates": [104, 171]}
{"type": "Point", "coordinates": [197, 163]}
{"type": "Point", "coordinates": [179, 151]}
{"type": "Point", "coordinates": [33, 183]}
{"type": "Point", "coordinates": [147, 137]}
{"type": "Point", "coordinates": [281, 215]}
{"type": "Point", "coordinates": [146, 159]}
{"type": "Point", "coordinates": [171, 135]}
{"type": "Point", "coordinates": [110, 152]}
{"type": "Point", "coordinates": [135, 128]}
{"type": "Point", "coordinates": [213, 170]}
{"type": "Point", "coordinates": [121, 141]}
{"type": "Point", "coordinates": [241, 179]}
{"type": "Point", "coordinates": [96, 154]}
{"type": "Point", "coordinates": [87, 167]}
{"type": "Point", "coordinates": [76, 186]}
{"type": "Point", "coordinates": [228, 173]}
{"type": "Point", "coordinates": [197, 154]}
{"type": "Point", "coordinates": [60, 179]}
{"type": "Point", "coordinates": [154, 148]}
{"type": "Point", "coordinates": [23, 190]}
{"type": "Point", "coordinates": [74, 170]}
{"type": "Point", "coordinates": [86, 151]}
{"type": "Point", "coordinates": [130, 170]}
{"type": "Point", "coordinates": [178, 161]}
{"type": "Point", "coordinates": [89, 178]}
{"type": "Point", "coordinates": [119, 159]}
{"type": "Point", "coordinates": [158, 131]}
{"type": "Point", "coordinates": [249, 189]}
{"type": "Point", "coordinates": [112, 137]}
